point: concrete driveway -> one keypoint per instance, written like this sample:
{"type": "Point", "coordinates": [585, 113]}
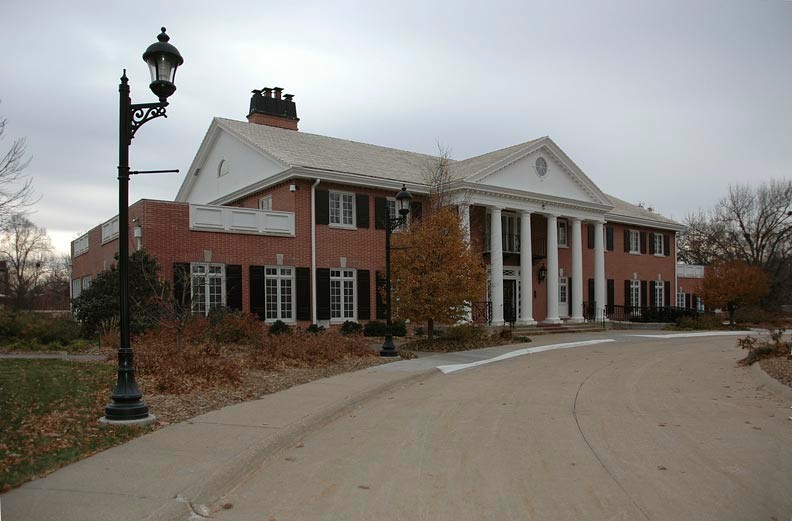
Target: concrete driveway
{"type": "Point", "coordinates": [635, 429]}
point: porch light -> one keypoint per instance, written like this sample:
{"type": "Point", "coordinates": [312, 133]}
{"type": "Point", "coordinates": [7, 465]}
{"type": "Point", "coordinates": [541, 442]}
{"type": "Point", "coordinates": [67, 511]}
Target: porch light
{"type": "Point", "coordinates": [403, 199]}
{"type": "Point", "coordinates": [162, 59]}
{"type": "Point", "coordinates": [542, 273]}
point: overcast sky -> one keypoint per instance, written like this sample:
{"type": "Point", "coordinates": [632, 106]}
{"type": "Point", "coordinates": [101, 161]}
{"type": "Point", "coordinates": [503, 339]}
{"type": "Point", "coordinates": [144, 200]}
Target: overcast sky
{"type": "Point", "coordinates": [664, 102]}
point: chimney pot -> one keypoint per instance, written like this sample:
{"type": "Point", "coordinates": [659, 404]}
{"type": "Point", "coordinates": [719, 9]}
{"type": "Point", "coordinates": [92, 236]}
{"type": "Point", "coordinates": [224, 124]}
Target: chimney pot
{"type": "Point", "coordinates": [278, 91]}
{"type": "Point", "coordinates": [267, 92]}
{"type": "Point", "coordinates": [278, 111]}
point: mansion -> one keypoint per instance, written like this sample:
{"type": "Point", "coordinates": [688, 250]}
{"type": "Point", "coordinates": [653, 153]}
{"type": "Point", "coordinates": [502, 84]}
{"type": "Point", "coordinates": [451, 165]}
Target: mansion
{"type": "Point", "coordinates": [290, 226]}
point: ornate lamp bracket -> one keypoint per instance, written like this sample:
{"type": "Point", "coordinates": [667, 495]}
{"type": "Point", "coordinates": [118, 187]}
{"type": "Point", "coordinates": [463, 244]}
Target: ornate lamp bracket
{"type": "Point", "coordinates": [141, 113]}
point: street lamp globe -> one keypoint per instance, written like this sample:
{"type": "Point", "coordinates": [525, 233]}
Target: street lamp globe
{"type": "Point", "coordinates": [403, 199]}
{"type": "Point", "coordinates": [162, 59]}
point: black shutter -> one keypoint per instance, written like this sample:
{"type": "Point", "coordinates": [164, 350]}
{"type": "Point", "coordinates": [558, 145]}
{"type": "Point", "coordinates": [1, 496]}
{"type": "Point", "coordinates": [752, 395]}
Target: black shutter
{"type": "Point", "coordinates": [569, 297]}
{"type": "Point", "coordinates": [257, 297]}
{"type": "Point", "coordinates": [416, 210]}
{"type": "Point", "coordinates": [626, 240]}
{"type": "Point", "coordinates": [303, 290]}
{"type": "Point", "coordinates": [382, 309]}
{"type": "Point", "coordinates": [322, 207]}
{"type": "Point", "coordinates": [643, 294]}
{"type": "Point", "coordinates": [643, 242]}
{"type": "Point", "coordinates": [591, 291]}
{"type": "Point", "coordinates": [590, 233]}
{"type": "Point", "coordinates": [380, 212]}
{"type": "Point", "coordinates": [667, 292]}
{"type": "Point", "coordinates": [181, 284]}
{"type": "Point", "coordinates": [652, 294]}
{"type": "Point", "coordinates": [651, 243]}
{"type": "Point", "coordinates": [323, 293]}
{"type": "Point", "coordinates": [611, 294]}
{"type": "Point", "coordinates": [627, 293]}
{"type": "Point", "coordinates": [693, 301]}
{"type": "Point", "coordinates": [666, 244]}
{"type": "Point", "coordinates": [609, 238]}
{"type": "Point", "coordinates": [364, 295]}
{"type": "Point", "coordinates": [687, 300]}
{"type": "Point", "coordinates": [234, 287]}
{"type": "Point", "coordinates": [362, 210]}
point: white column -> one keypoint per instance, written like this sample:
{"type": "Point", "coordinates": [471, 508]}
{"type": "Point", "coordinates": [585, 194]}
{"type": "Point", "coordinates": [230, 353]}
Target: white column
{"type": "Point", "coordinates": [464, 220]}
{"type": "Point", "coordinates": [576, 312]}
{"type": "Point", "coordinates": [599, 267]}
{"type": "Point", "coordinates": [496, 266]}
{"type": "Point", "coordinates": [552, 270]}
{"type": "Point", "coordinates": [526, 271]}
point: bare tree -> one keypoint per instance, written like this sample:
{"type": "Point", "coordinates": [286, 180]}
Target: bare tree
{"type": "Point", "coordinates": [16, 187]}
{"type": "Point", "coordinates": [750, 224]}
{"type": "Point", "coordinates": [27, 250]}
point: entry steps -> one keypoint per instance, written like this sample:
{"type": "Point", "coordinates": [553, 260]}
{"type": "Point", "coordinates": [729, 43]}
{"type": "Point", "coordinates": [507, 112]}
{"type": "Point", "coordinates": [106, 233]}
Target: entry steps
{"type": "Point", "coordinates": [554, 329]}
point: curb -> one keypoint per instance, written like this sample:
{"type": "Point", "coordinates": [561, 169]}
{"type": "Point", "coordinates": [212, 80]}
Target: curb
{"type": "Point", "coordinates": [771, 383]}
{"type": "Point", "coordinates": [195, 501]}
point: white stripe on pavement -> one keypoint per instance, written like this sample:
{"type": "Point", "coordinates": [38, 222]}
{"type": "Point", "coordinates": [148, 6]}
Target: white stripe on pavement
{"type": "Point", "coordinates": [519, 352]}
{"type": "Point", "coordinates": [693, 335]}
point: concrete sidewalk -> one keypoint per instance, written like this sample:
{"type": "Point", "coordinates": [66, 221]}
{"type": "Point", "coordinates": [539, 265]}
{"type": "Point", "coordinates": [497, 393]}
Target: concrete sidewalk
{"type": "Point", "coordinates": [172, 472]}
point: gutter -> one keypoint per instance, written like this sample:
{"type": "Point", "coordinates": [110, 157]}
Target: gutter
{"type": "Point", "coordinates": [313, 250]}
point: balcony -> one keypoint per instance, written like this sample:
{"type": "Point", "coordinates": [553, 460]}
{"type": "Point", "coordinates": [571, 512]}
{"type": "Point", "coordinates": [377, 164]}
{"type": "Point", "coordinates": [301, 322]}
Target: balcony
{"type": "Point", "coordinates": [231, 219]}
{"type": "Point", "coordinates": [511, 244]}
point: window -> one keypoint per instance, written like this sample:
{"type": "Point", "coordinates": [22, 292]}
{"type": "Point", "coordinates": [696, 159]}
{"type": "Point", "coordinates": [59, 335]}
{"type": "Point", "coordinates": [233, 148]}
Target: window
{"type": "Point", "coordinates": [265, 203]}
{"type": "Point", "coordinates": [342, 294]}
{"type": "Point", "coordinates": [680, 299]}
{"type": "Point", "coordinates": [279, 293]}
{"type": "Point", "coordinates": [699, 305]}
{"type": "Point", "coordinates": [659, 294]}
{"type": "Point", "coordinates": [86, 283]}
{"type": "Point", "coordinates": [562, 233]}
{"type": "Point", "coordinates": [76, 288]}
{"type": "Point", "coordinates": [635, 241]}
{"type": "Point", "coordinates": [342, 209]}
{"type": "Point", "coordinates": [658, 244]}
{"type": "Point", "coordinates": [635, 293]}
{"type": "Point", "coordinates": [207, 287]}
{"type": "Point", "coordinates": [223, 168]}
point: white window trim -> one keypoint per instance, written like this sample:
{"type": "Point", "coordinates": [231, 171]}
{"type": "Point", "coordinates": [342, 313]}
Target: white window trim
{"type": "Point", "coordinates": [265, 203]}
{"type": "Point", "coordinates": [206, 277]}
{"type": "Point", "coordinates": [680, 300]}
{"type": "Point", "coordinates": [353, 318]}
{"type": "Point", "coordinates": [659, 251]}
{"type": "Point", "coordinates": [221, 172]}
{"type": "Point", "coordinates": [637, 242]}
{"type": "Point", "coordinates": [565, 243]}
{"type": "Point", "coordinates": [341, 210]}
{"type": "Point", "coordinates": [659, 294]}
{"type": "Point", "coordinates": [280, 277]}
{"type": "Point", "coordinates": [635, 285]}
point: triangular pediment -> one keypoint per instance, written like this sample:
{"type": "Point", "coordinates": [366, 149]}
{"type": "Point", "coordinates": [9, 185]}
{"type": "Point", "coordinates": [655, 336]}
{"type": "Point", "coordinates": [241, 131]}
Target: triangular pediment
{"type": "Point", "coordinates": [541, 168]}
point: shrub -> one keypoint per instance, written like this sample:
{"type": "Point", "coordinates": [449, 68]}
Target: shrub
{"type": "Point", "coordinates": [759, 349]}
{"type": "Point", "coordinates": [38, 328]}
{"type": "Point", "coordinates": [163, 368]}
{"type": "Point", "coordinates": [418, 331]}
{"type": "Point", "coordinates": [462, 333]}
{"type": "Point", "coordinates": [227, 326]}
{"type": "Point", "coordinates": [304, 349]}
{"type": "Point", "coordinates": [351, 328]}
{"type": "Point", "coordinates": [505, 334]}
{"type": "Point", "coordinates": [279, 327]}
{"type": "Point", "coordinates": [315, 329]}
{"type": "Point", "coordinates": [378, 328]}
{"type": "Point", "coordinates": [703, 321]}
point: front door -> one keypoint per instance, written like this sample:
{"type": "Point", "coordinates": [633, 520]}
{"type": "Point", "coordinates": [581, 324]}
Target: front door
{"type": "Point", "coordinates": [510, 300]}
{"type": "Point", "coordinates": [563, 297]}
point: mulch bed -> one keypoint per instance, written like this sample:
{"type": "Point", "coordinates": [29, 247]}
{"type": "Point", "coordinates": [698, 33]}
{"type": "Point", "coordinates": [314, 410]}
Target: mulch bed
{"type": "Point", "coordinates": [446, 345]}
{"type": "Point", "coordinates": [173, 408]}
{"type": "Point", "coordinates": [779, 367]}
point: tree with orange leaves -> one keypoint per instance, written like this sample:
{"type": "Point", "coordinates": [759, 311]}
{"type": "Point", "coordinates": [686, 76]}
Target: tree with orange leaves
{"type": "Point", "coordinates": [434, 272]}
{"type": "Point", "coordinates": [732, 284]}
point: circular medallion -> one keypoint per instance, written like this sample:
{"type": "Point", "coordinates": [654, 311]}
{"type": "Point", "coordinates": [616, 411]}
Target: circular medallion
{"type": "Point", "coordinates": [541, 167]}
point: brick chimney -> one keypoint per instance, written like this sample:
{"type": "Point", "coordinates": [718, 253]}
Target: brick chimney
{"type": "Point", "coordinates": [278, 111]}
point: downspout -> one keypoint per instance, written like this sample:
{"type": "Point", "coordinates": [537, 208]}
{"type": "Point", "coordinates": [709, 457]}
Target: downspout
{"type": "Point", "coordinates": [313, 251]}
{"type": "Point", "coordinates": [676, 268]}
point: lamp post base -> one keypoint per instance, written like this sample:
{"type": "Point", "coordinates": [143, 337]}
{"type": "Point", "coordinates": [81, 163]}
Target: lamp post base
{"type": "Point", "coordinates": [389, 348]}
{"type": "Point", "coordinates": [140, 422]}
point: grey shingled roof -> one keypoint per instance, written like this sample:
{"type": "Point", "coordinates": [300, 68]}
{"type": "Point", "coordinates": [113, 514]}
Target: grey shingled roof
{"type": "Point", "coordinates": [333, 154]}
{"type": "Point", "coordinates": [341, 155]}
{"type": "Point", "coordinates": [624, 209]}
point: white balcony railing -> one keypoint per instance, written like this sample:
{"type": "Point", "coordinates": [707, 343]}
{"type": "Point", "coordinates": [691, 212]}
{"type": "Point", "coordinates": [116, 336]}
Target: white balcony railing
{"type": "Point", "coordinates": [690, 271]}
{"type": "Point", "coordinates": [231, 219]}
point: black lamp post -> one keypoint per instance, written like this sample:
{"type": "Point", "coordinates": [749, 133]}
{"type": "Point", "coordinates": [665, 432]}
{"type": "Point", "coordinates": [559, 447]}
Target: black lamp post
{"type": "Point", "coordinates": [403, 199]}
{"type": "Point", "coordinates": [163, 59]}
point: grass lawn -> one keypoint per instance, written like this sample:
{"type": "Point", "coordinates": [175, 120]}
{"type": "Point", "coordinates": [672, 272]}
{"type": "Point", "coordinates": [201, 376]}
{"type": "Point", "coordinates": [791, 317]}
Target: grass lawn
{"type": "Point", "coordinates": [49, 416]}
